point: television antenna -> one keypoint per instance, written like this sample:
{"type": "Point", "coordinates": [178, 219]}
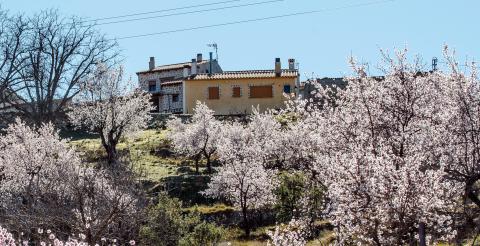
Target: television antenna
{"type": "Point", "coordinates": [215, 47]}
{"type": "Point", "coordinates": [434, 63]}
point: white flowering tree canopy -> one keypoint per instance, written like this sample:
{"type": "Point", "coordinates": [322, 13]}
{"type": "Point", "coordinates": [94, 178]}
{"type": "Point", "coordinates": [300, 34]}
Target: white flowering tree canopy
{"type": "Point", "coordinates": [379, 155]}
{"type": "Point", "coordinates": [35, 168]}
{"type": "Point", "coordinates": [243, 178]}
{"type": "Point", "coordinates": [43, 183]}
{"type": "Point", "coordinates": [196, 138]}
{"type": "Point", "coordinates": [109, 107]}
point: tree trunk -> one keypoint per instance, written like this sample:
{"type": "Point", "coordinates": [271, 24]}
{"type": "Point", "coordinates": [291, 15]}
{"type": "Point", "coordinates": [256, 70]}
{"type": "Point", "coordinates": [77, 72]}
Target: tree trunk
{"type": "Point", "coordinates": [209, 165]}
{"type": "Point", "coordinates": [246, 224]}
{"type": "Point", "coordinates": [196, 158]}
{"type": "Point", "coordinates": [196, 165]}
{"type": "Point", "coordinates": [89, 238]}
{"type": "Point", "coordinates": [111, 155]}
{"type": "Point", "coordinates": [421, 234]}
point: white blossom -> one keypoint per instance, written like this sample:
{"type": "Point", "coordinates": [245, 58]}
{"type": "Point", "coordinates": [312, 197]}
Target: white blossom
{"type": "Point", "coordinates": [294, 233]}
{"type": "Point", "coordinates": [43, 182]}
{"type": "Point", "coordinates": [108, 107]}
{"type": "Point", "coordinates": [243, 179]}
{"type": "Point", "coordinates": [196, 138]}
{"type": "Point", "coordinates": [380, 141]}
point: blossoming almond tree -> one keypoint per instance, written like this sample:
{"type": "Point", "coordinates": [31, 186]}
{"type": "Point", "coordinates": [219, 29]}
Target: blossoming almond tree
{"type": "Point", "coordinates": [107, 204]}
{"type": "Point", "coordinates": [462, 131]}
{"type": "Point", "coordinates": [242, 179]}
{"type": "Point", "coordinates": [43, 184]}
{"type": "Point", "coordinates": [196, 138]}
{"type": "Point", "coordinates": [184, 141]}
{"type": "Point", "coordinates": [109, 108]}
{"type": "Point", "coordinates": [35, 168]}
{"type": "Point", "coordinates": [380, 155]}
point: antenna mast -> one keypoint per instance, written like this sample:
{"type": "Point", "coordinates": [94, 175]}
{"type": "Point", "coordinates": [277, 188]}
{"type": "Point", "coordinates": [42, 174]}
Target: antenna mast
{"type": "Point", "coordinates": [215, 47]}
{"type": "Point", "coordinates": [434, 63]}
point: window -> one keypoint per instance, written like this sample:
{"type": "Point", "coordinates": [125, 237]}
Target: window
{"type": "Point", "coordinates": [287, 89]}
{"type": "Point", "coordinates": [236, 91]}
{"type": "Point", "coordinates": [175, 98]}
{"type": "Point", "coordinates": [262, 91]}
{"type": "Point", "coordinates": [152, 86]}
{"type": "Point", "coordinates": [213, 93]}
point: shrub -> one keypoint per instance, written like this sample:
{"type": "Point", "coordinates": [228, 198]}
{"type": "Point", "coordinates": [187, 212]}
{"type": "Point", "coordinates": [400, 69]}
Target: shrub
{"type": "Point", "coordinates": [288, 194]}
{"type": "Point", "coordinates": [204, 234]}
{"type": "Point", "coordinates": [168, 225]}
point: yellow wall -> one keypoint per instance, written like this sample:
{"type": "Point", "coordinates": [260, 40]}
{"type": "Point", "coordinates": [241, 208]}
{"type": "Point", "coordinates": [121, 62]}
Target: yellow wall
{"type": "Point", "coordinates": [198, 90]}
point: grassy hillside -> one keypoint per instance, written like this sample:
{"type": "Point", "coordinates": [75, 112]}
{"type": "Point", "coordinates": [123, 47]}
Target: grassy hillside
{"type": "Point", "coordinates": [151, 155]}
{"type": "Point", "coordinates": [149, 152]}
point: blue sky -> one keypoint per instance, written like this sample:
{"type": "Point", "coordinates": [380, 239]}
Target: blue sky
{"type": "Point", "coordinates": [321, 42]}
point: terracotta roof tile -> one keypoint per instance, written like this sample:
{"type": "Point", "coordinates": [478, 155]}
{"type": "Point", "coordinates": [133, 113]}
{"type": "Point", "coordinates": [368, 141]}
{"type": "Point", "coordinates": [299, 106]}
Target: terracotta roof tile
{"type": "Point", "coordinates": [246, 74]}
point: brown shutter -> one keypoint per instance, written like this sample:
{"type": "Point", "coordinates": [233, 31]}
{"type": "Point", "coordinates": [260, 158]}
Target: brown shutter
{"type": "Point", "coordinates": [213, 93]}
{"type": "Point", "coordinates": [264, 91]}
{"type": "Point", "coordinates": [236, 92]}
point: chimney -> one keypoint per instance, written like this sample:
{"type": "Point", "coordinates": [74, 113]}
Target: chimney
{"type": "Point", "coordinates": [199, 57]}
{"type": "Point", "coordinates": [186, 71]}
{"type": "Point", "coordinates": [278, 67]}
{"type": "Point", "coordinates": [291, 64]}
{"type": "Point", "coordinates": [210, 64]}
{"type": "Point", "coordinates": [194, 67]}
{"type": "Point", "coordinates": [151, 64]}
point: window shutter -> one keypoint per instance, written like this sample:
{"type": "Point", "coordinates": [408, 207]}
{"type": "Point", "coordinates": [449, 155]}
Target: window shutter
{"type": "Point", "coordinates": [236, 91]}
{"type": "Point", "coordinates": [213, 93]}
{"type": "Point", "coordinates": [263, 91]}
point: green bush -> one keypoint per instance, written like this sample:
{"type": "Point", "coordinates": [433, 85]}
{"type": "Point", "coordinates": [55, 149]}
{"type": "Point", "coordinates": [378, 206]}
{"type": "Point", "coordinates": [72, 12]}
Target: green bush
{"type": "Point", "coordinates": [204, 234]}
{"type": "Point", "coordinates": [288, 194]}
{"type": "Point", "coordinates": [293, 189]}
{"type": "Point", "coordinates": [168, 225]}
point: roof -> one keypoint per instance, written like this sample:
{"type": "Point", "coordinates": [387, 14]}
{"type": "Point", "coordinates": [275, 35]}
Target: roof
{"type": "Point", "coordinates": [245, 74]}
{"type": "Point", "coordinates": [173, 82]}
{"type": "Point", "coordinates": [339, 82]}
{"type": "Point", "coordinates": [175, 66]}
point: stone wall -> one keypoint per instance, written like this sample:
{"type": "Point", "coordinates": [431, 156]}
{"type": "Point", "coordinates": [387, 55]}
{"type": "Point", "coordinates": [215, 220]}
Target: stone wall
{"type": "Point", "coordinates": [144, 78]}
{"type": "Point", "coordinates": [166, 104]}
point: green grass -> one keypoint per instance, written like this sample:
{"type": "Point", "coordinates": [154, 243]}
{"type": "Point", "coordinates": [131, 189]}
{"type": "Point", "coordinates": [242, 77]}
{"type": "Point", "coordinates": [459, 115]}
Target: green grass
{"type": "Point", "coordinates": [210, 209]}
{"type": "Point", "coordinates": [151, 156]}
{"type": "Point", "coordinates": [259, 236]}
{"type": "Point", "coordinates": [325, 238]}
{"type": "Point", "coordinates": [142, 148]}
{"type": "Point", "coordinates": [247, 243]}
